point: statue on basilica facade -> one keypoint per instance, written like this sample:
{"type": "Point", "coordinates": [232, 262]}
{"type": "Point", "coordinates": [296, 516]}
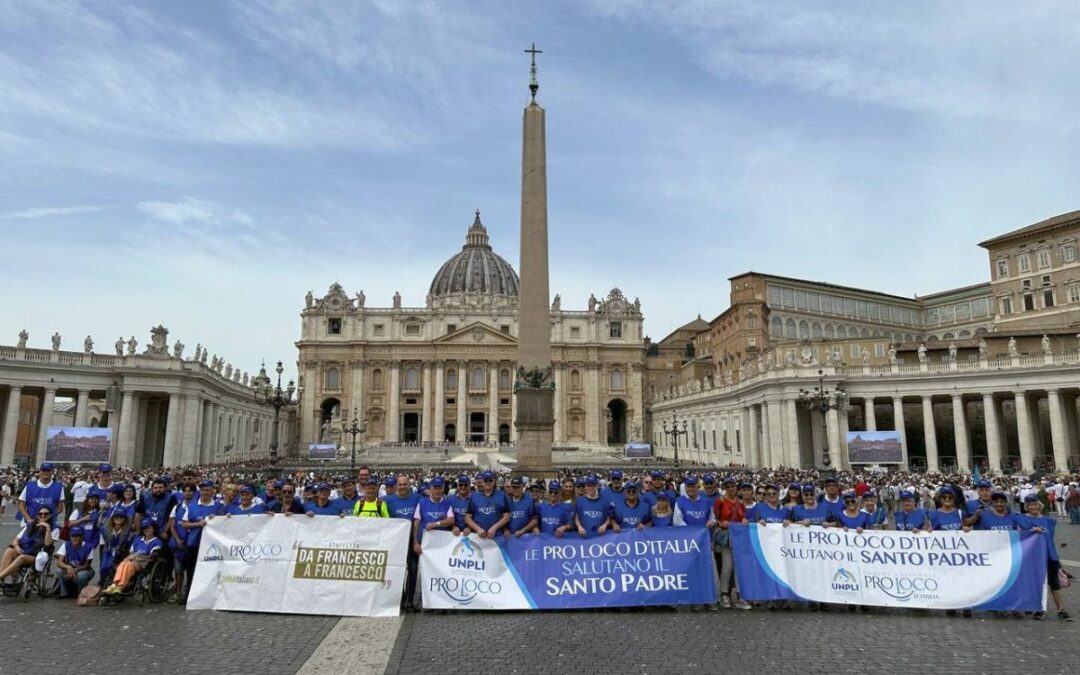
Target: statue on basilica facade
{"type": "Point", "coordinates": [178, 349]}
{"type": "Point", "coordinates": [360, 299]}
{"type": "Point", "coordinates": [397, 300]}
{"type": "Point", "coordinates": [865, 356]}
{"type": "Point", "coordinates": [1046, 344]}
{"type": "Point", "coordinates": [556, 304]}
{"type": "Point", "coordinates": [198, 351]}
{"type": "Point", "coordinates": [228, 371]}
{"type": "Point", "coordinates": [205, 352]}
{"type": "Point", "coordinates": [892, 354]}
{"type": "Point", "coordinates": [119, 346]}
{"type": "Point", "coordinates": [984, 351]}
{"type": "Point", "coordinates": [830, 358]}
{"type": "Point", "coordinates": [952, 352]}
{"type": "Point", "coordinates": [592, 302]}
{"type": "Point", "coordinates": [309, 299]}
{"type": "Point", "coordinates": [23, 337]}
{"type": "Point", "coordinates": [244, 380]}
{"type": "Point", "coordinates": [1013, 351]}
{"type": "Point", "coordinates": [56, 342]}
{"type": "Point", "coordinates": [131, 345]}
{"type": "Point", "coordinates": [88, 345]}
{"type": "Point", "coordinates": [922, 353]}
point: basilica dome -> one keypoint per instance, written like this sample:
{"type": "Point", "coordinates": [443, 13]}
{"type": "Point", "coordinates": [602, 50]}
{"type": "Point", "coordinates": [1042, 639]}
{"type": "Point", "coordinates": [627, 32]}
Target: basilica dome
{"type": "Point", "coordinates": [476, 270]}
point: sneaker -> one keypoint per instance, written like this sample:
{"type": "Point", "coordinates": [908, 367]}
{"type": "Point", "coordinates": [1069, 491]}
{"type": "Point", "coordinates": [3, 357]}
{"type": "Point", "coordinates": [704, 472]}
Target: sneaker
{"type": "Point", "coordinates": [112, 590]}
{"type": "Point", "coordinates": [742, 604]}
{"type": "Point", "coordinates": [1064, 616]}
{"type": "Point", "coordinates": [725, 602]}
{"type": "Point", "coordinates": [711, 607]}
{"type": "Point", "coordinates": [172, 598]}
{"type": "Point", "coordinates": [1038, 616]}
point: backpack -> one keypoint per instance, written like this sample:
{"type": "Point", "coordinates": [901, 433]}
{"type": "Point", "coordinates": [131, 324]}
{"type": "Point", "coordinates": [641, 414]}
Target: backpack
{"type": "Point", "coordinates": [88, 596]}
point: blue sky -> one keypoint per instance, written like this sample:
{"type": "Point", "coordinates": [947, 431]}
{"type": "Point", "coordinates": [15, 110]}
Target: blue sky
{"type": "Point", "coordinates": [204, 164]}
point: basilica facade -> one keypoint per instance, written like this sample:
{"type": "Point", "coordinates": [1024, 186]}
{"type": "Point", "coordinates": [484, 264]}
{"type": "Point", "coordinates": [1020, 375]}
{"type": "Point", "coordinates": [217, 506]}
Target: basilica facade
{"type": "Point", "coordinates": [444, 372]}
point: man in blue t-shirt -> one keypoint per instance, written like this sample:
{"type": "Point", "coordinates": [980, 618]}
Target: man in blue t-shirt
{"type": "Point", "coordinates": [488, 511]}
{"type": "Point", "coordinates": [591, 513]}
{"type": "Point", "coordinates": [691, 509]}
{"type": "Point", "coordinates": [522, 509]}
{"type": "Point", "coordinates": [811, 511]}
{"type": "Point", "coordinates": [349, 496]}
{"type": "Point", "coordinates": [402, 502]}
{"type": "Point", "coordinates": [460, 501]}
{"type": "Point", "coordinates": [998, 516]}
{"type": "Point", "coordinates": [770, 510]}
{"type": "Point", "coordinates": [630, 512]}
{"type": "Point", "coordinates": [832, 499]}
{"type": "Point", "coordinates": [614, 490]}
{"type": "Point", "coordinates": [909, 518]}
{"type": "Point", "coordinates": [555, 515]}
{"type": "Point", "coordinates": [42, 492]}
{"type": "Point", "coordinates": [975, 507]}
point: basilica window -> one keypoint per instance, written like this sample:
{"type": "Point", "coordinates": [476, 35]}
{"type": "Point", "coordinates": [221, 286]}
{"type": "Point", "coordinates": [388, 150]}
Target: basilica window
{"type": "Point", "coordinates": [615, 330]}
{"type": "Point", "coordinates": [1002, 269]}
{"type": "Point", "coordinates": [1006, 306]}
{"type": "Point", "coordinates": [1023, 263]}
{"type": "Point", "coordinates": [451, 378]}
{"type": "Point", "coordinates": [504, 379]}
{"type": "Point", "coordinates": [333, 378]}
{"type": "Point", "coordinates": [1044, 258]}
{"type": "Point", "coordinates": [575, 379]}
{"type": "Point", "coordinates": [1029, 302]}
{"type": "Point", "coordinates": [412, 377]}
{"type": "Point", "coordinates": [616, 380]}
{"type": "Point", "coordinates": [505, 328]}
{"type": "Point", "coordinates": [575, 333]}
{"type": "Point", "coordinates": [379, 330]}
{"type": "Point", "coordinates": [412, 329]}
{"type": "Point", "coordinates": [776, 327]}
{"type": "Point", "coordinates": [1068, 252]}
{"type": "Point", "coordinates": [333, 326]}
{"type": "Point", "coordinates": [1048, 297]}
{"type": "Point", "coordinates": [450, 328]}
{"type": "Point", "coordinates": [477, 378]}
{"type": "Point", "coordinates": [1074, 292]}
{"type": "Point", "coordinates": [376, 379]}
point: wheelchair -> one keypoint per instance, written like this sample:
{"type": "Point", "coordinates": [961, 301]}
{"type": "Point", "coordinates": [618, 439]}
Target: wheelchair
{"type": "Point", "coordinates": [29, 582]}
{"type": "Point", "coordinates": [150, 585]}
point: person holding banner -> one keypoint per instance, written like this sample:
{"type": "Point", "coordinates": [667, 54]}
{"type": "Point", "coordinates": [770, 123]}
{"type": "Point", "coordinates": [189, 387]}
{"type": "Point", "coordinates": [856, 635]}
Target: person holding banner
{"type": "Point", "coordinates": [793, 497]}
{"type": "Point", "coordinates": [286, 502]}
{"type": "Point", "coordinates": [998, 517]}
{"type": "Point", "coordinates": [613, 492]}
{"type": "Point", "coordinates": [433, 512]}
{"type": "Point", "coordinates": [727, 511]}
{"type": "Point", "coordinates": [770, 510]}
{"type": "Point", "coordinates": [832, 500]}
{"type": "Point", "coordinates": [851, 517]}
{"type": "Point", "coordinates": [372, 506]}
{"type": "Point", "coordinates": [630, 511]}
{"type": "Point", "coordinates": [488, 510]}
{"type": "Point", "coordinates": [460, 501]}
{"type": "Point", "coordinates": [810, 511]}
{"type": "Point", "coordinates": [910, 518]}
{"type": "Point", "coordinates": [691, 509]}
{"type": "Point", "coordinates": [592, 515]}
{"type": "Point", "coordinates": [522, 510]}
{"type": "Point", "coordinates": [198, 513]}
{"type": "Point", "coordinates": [1033, 520]}
{"type": "Point", "coordinates": [247, 505]}
{"type": "Point", "coordinates": [946, 516]}
{"type": "Point", "coordinates": [876, 517]}
{"type": "Point", "coordinates": [555, 515]}
{"type": "Point", "coordinates": [346, 503]}
{"type": "Point", "coordinates": [403, 501]}
{"type": "Point", "coordinates": [322, 505]}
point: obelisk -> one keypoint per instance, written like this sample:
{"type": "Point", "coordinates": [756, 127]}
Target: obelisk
{"type": "Point", "coordinates": [534, 385]}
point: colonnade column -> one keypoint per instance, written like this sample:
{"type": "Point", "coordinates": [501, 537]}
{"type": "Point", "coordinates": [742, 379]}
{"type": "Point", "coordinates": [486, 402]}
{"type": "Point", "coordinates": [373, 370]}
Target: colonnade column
{"type": "Point", "coordinates": [462, 401]}
{"type": "Point", "coordinates": [204, 432]}
{"type": "Point", "coordinates": [832, 436]}
{"type": "Point", "coordinates": [755, 453]}
{"type": "Point", "coordinates": [493, 403]}
{"type": "Point", "coordinates": [46, 419]}
{"type": "Point", "coordinates": [960, 434]}
{"type": "Point", "coordinates": [993, 432]}
{"type": "Point", "coordinates": [172, 432]}
{"type": "Point", "coordinates": [437, 424]}
{"type": "Point", "coordinates": [898, 425]}
{"type": "Point", "coordinates": [125, 434]}
{"type": "Point", "coordinates": [929, 433]}
{"type": "Point", "coordinates": [792, 435]}
{"type": "Point", "coordinates": [560, 407]}
{"type": "Point", "coordinates": [427, 422]}
{"type": "Point", "coordinates": [1023, 432]}
{"type": "Point", "coordinates": [11, 426]}
{"type": "Point", "coordinates": [188, 447]}
{"type": "Point", "coordinates": [81, 404]}
{"type": "Point", "coordinates": [393, 416]}
{"type": "Point", "coordinates": [1058, 438]}
{"type": "Point", "coordinates": [776, 435]}
{"type": "Point", "coordinates": [592, 403]}
{"type": "Point", "coordinates": [871, 415]}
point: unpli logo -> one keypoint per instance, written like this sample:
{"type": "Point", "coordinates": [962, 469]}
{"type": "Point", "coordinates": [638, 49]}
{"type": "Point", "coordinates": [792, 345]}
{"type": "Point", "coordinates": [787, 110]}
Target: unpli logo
{"type": "Point", "coordinates": [468, 574]}
{"type": "Point", "coordinates": [213, 553]}
{"type": "Point", "coordinates": [467, 556]}
{"type": "Point", "coordinates": [844, 581]}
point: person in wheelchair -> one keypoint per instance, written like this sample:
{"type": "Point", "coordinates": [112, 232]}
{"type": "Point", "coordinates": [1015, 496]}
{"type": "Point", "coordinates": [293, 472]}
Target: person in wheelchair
{"type": "Point", "coordinates": [115, 543]}
{"type": "Point", "coordinates": [73, 563]}
{"type": "Point", "coordinates": [143, 550]}
{"type": "Point", "coordinates": [25, 548]}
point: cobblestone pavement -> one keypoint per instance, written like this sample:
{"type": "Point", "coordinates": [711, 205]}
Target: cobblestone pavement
{"type": "Point", "coordinates": [165, 639]}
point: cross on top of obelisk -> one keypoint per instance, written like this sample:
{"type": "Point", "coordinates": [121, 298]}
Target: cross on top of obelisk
{"type": "Point", "coordinates": [533, 84]}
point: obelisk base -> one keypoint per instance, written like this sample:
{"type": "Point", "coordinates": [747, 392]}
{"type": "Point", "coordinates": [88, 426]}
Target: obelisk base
{"type": "Point", "coordinates": [536, 431]}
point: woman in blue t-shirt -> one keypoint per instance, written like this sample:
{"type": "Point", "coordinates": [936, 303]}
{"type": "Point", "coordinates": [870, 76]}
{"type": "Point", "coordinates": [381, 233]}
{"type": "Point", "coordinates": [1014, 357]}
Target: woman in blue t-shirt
{"type": "Point", "coordinates": [1033, 520]}
{"type": "Point", "coordinates": [25, 547]}
{"type": "Point", "coordinates": [662, 515]}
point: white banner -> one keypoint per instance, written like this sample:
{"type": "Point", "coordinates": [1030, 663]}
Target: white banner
{"type": "Point", "coordinates": [467, 573]}
{"type": "Point", "coordinates": [299, 565]}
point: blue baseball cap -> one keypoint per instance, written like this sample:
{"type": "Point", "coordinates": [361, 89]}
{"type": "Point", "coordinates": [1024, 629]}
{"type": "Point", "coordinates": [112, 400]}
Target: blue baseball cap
{"type": "Point", "coordinates": [437, 481]}
{"type": "Point", "coordinates": [728, 480]}
{"type": "Point", "coordinates": [615, 475]}
{"type": "Point", "coordinates": [279, 484]}
{"type": "Point", "coordinates": [324, 486]}
{"type": "Point", "coordinates": [745, 484]}
{"type": "Point", "coordinates": [663, 495]}
{"type": "Point", "coordinates": [45, 466]}
{"type": "Point", "coordinates": [117, 489]}
{"type": "Point", "coordinates": [517, 481]}
{"type": "Point", "coordinates": [630, 485]}
{"type": "Point", "coordinates": [709, 479]}
{"type": "Point", "coordinates": [554, 485]}
{"type": "Point", "coordinates": [104, 468]}
{"type": "Point", "coordinates": [149, 522]}
{"type": "Point", "coordinates": [372, 481]}
{"type": "Point", "coordinates": [850, 494]}
{"type": "Point", "coordinates": [690, 480]}
{"type": "Point", "coordinates": [1031, 498]}
{"type": "Point", "coordinates": [984, 484]}
{"type": "Point", "coordinates": [206, 483]}
{"type": "Point", "coordinates": [165, 478]}
{"type": "Point", "coordinates": [591, 480]}
{"type": "Point", "coordinates": [391, 481]}
{"type": "Point", "coordinates": [998, 494]}
{"type": "Point", "coordinates": [463, 480]}
{"type": "Point", "coordinates": [906, 494]}
{"type": "Point", "coordinates": [487, 475]}
{"type": "Point", "coordinates": [809, 487]}
{"type": "Point", "coordinates": [656, 473]}
{"type": "Point", "coordinates": [309, 488]}
{"type": "Point", "coordinates": [77, 531]}
{"type": "Point", "coordinates": [247, 488]}
{"type": "Point", "coordinates": [831, 481]}
{"type": "Point", "coordinates": [794, 486]}
{"type": "Point", "coordinates": [869, 494]}
{"type": "Point", "coordinates": [580, 482]}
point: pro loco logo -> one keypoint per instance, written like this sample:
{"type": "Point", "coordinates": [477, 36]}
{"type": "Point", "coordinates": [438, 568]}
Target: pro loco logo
{"type": "Point", "coordinates": [467, 560]}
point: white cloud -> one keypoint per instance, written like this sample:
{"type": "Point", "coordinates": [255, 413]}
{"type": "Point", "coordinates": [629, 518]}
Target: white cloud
{"type": "Point", "coordinates": [48, 212]}
{"type": "Point", "coordinates": [190, 209]}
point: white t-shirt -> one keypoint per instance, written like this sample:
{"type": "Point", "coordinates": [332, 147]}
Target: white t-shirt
{"type": "Point", "coordinates": [79, 490]}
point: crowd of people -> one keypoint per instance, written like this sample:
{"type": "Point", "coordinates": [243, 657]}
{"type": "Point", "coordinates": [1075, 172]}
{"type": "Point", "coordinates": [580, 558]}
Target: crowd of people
{"type": "Point", "coordinates": [124, 518]}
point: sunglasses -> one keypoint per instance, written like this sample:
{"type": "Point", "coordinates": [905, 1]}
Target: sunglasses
{"type": "Point", "coordinates": [629, 490]}
{"type": "Point", "coordinates": [949, 497]}
{"type": "Point", "coordinates": [44, 514]}
{"type": "Point", "coordinates": [772, 494]}
{"type": "Point", "coordinates": [288, 492]}
{"type": "Point", "coordinates": [849, 501]}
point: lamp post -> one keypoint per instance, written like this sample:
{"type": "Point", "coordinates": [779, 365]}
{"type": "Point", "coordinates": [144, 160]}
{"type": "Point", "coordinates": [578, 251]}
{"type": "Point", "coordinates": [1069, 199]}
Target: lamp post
{"type": "Point", "coordinates": [823, 401]}
{"type": "Point", "coordinates": [356, 427]}
{"type": "Point", "coordinates": [675, 432]}
{"type": "Point", "coordinates": [274, 396]}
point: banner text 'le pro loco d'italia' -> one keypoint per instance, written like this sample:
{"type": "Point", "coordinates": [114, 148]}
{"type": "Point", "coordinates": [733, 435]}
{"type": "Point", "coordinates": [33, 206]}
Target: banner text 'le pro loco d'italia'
{"type": "Point", "coordinates": [929, 570]}
{"type": "Point", "coordinates": [300, 565]}
{"type": "Point", "coordinates": [668, 566]}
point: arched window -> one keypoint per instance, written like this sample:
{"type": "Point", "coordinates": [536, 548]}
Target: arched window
{"type": "Point", "coordinates": [451, 379]}
{"type": "Point", "coordinates": [575, 379]}
{"type": "Point", "coordinates": [776, 327]}
{"type": "Point", "coordinates": [815, 330]}
{"type": "Point", "coordinates": [804, 329]}
{"type": "Point", "coordinates": [841, 332]}
{"type": "Point", "coordinates": [504, 379]}
{"type": "Point", "coordinates": [477, 378]}
{"type": "Point", "coordinates": [616, 380]}
{"type": "Point", "coordinates": [830, 331]}
{"type": "Point", "coordinates": [789, 329]}
{"type": "Point", "coordinates": [412, 377]}
{"type": "Point", "coordinates": [376, 379]}
{"type": "Point", "coordinates": [333, 378]}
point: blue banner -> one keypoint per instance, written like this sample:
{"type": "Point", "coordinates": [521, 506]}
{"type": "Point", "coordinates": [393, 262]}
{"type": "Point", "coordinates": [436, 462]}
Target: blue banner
{"type": "Point", "coordinates": [999, 570]}
{"type": "Point", "coordinates": [661, 566]}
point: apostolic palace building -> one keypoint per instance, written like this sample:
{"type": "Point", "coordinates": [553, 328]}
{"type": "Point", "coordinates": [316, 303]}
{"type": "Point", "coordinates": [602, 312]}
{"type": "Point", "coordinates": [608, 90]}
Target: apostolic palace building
{"type": "Point", "coordinates": [444, 372]}
{"type": "Point", "coordinates": [984, 375]}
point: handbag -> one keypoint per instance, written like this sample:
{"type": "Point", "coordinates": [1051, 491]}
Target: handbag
{"type": "Point", "coordinates": [1063, 579]}
{"type": "Point", "coordinates": [65, 530]}
{"type": "Point", "coordinates": [88, 596]}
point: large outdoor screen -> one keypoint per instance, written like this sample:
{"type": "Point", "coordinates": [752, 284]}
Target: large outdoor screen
{"type": "Point", "coordinates": [85, 445]}
{"type": "Point", "coordinates": [322, 451]}
{"type": "Point", "coordinates": [875, 447]}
